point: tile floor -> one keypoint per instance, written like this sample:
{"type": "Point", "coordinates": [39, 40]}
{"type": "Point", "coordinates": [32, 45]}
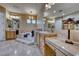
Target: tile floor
{"type": "Point", "coordinates": [15, 48]}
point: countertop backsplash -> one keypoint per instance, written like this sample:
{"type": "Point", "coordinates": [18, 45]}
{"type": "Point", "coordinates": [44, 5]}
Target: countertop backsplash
{"type": "Point", "coordinates": [74, 36]}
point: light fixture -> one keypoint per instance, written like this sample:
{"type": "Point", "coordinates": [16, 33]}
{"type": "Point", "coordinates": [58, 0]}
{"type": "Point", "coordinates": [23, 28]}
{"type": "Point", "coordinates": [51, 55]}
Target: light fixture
{"type": "Point", "coordinates": [63, 14]}
{"type": "Point", "coordinates": [47, 6]}
{"type": "Point", "coordinates": [14, 17]}
{"type": "Point", "coordinates": [54, 11]}
{"type": "Point", "coordinates": [46, 14]}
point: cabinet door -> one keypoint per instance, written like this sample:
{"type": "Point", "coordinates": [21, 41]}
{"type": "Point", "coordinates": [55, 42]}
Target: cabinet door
{"type": "Point", "coordinates": [10, 35]}
{"type": "Point", "coordinates": [48, 51]}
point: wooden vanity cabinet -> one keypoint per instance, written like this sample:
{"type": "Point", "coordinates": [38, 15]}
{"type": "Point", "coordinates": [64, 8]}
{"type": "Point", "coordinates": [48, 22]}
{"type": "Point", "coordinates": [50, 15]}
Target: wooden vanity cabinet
{"type": "Point", "coordinates": [51, 50]}
{"type": "Point", "coordinates": [48, 51]}
{"type": "Point", "coordinates": [10, 35]}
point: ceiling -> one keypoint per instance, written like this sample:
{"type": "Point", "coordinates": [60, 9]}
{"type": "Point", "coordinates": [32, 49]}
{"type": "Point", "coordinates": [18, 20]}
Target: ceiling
{"type": "Point", "coordinates": [37, 7]}
{"type": "Point", "coordinates": [66, 7]}
{"type": "Point", "coordinates": [29, 8]}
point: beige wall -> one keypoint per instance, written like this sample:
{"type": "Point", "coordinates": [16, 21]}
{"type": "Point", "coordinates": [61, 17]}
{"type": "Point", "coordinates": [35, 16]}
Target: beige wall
{"type": "Point", "coordinates": [75, 35]}
{"type": "Point", "coordinates": [24, 27]}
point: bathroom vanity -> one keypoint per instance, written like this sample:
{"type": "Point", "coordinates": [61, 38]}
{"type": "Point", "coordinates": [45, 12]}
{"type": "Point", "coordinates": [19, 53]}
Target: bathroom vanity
{"type": "Point", "coordinates": [10, 35]}
{"type": "Point", "coordinates": [61, 48]}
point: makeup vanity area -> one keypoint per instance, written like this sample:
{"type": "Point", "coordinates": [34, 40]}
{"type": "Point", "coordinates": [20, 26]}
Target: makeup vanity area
{"type": "Point", "coordinates": [12, 27]}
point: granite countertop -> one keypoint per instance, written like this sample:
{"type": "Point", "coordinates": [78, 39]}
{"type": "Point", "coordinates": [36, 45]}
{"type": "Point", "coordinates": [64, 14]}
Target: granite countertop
{"type": "Point", "coordinates": [44, 32]}
{"type": "Point", "coordinates": [67, 49]}
{"type": "Point", "coordinates": [10, 29]}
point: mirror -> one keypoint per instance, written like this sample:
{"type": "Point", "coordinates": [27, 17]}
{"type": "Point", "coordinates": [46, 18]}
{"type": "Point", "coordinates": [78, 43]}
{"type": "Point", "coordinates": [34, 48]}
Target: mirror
{"type": "Point", "coordinates": [10, 23]}
{"type": "Point", "coordinates": [49, 24]}
{"type": "Point", "coordinates": [13, 22]}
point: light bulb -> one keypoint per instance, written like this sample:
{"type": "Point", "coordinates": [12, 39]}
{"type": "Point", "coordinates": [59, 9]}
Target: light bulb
{"type": "Point", "coordinates": [46, 5]}
{"type": "Point", "coordinates": [54, 11]}
{"type": "Point", "coordinates": [63, 14]}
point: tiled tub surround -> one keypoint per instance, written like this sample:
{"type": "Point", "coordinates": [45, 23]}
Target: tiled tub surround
{"type": "Point", "coordinates": [65, 48]}
{"type": "Point", "coordinates": [14, 48]}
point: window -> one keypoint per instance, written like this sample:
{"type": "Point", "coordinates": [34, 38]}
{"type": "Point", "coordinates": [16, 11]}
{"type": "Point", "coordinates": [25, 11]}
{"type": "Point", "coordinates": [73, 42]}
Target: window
{"type": "Point", "coordinates": [38, 21]}
{"type": "Point", "coordinates": [33, 21]}
{"type": "Point", "coordinates": [28, 21]}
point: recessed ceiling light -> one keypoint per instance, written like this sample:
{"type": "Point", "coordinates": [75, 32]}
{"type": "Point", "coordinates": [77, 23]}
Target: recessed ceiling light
{"type": "Point", "coordinates": [46, 5]}
{"type": "Point", "coordinates": [46, 14]}
{"type": "Point", "coordinates": [63, 14]}
{"type": "Point", "coordinates": [54, 11]}
{"type": "Point", "coordinates": [49, 6]}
